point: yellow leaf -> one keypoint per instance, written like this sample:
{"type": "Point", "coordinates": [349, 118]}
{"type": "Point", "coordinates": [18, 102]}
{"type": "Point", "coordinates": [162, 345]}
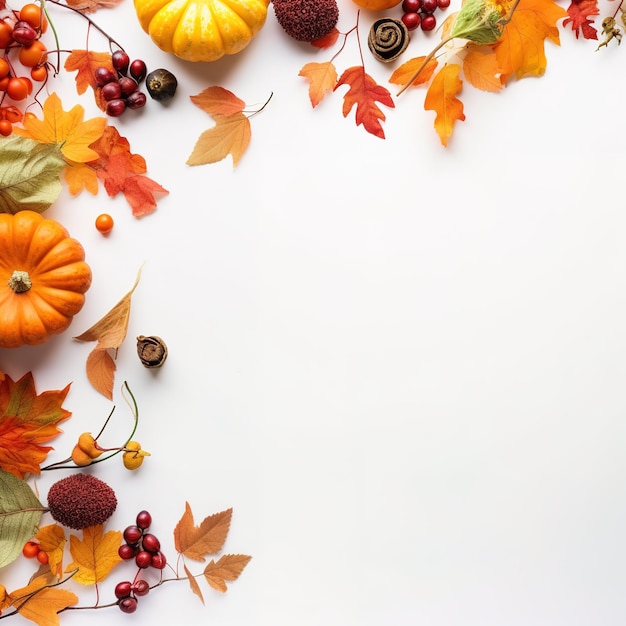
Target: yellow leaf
{"type": "Point", "coordinates": [64, 128]}
{"type": "Point", "coordinates": [52, 541]}
{"type": "Point", "coordinates": [441, 98]}
{"type": "Point", "coordinates": [195, 542]}
{"type": "Point", "coordinates": [79, 176]}
{"type": "Point", "coordinates": [95, 555]}
{"type": "Point", "coordinates": [322, 79]}
{"type": "Point", "coordinates": [481, 70]}
{"type": "Point", "coordinates": [227, 568]}
{"type": "Point", "coordinates": [230, 135]}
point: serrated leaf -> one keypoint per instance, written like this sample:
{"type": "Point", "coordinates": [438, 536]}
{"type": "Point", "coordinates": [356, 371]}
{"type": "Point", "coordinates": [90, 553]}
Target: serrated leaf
{"type": "Point", "coordinates": [230, 135]}
{"type": "Point", "coordinates": [193, 583]}
{"type": "Point", "coordinates": [95, 555]}
{"type": "Point", "coordinates": [20, 513]}
{"type": "Point", "coordinates": [227, 568]}
{"type": "Point", "coordinates": [195, 542]}
{"type": "Point", "coordinates": [30, 174]}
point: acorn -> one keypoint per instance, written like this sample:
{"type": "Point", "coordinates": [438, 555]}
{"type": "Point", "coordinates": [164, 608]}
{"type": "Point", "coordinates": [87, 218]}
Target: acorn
{"type": "Point", "coordinates": [306, 20]}
{"type": "Point", "coordinates": [81, 500]}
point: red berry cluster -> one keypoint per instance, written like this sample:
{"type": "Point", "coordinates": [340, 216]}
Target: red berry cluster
{"type": "Point", "coordinates": [32, 550]}
{"type": "Point", "coordinates": [422, 13]}
{"type": "Point", "coordinates": [141, 545]}
{"type": "Point", "coordinates": [120, 88]}
{"type": "Point", "coordinates": [23, 56]}
{"type": "Point", "coordinates": [127, 593]}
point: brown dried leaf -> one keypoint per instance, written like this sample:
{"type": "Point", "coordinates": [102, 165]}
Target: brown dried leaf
{"type": "Point", "coordinates": [109, 332]}
{"type": "Point", "coordinates": [193, 583]}
{"type": "Point", "coordinates": [195, 542]}
{"type": "Point", "coordinates": [227, 568]}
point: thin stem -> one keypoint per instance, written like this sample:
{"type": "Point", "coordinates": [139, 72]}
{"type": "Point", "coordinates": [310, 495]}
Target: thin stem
{"type": "Point", "coordinates": [425, 62]}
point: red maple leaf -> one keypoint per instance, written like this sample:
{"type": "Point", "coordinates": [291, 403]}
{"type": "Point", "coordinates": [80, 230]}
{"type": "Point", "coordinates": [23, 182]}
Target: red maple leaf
{"type": "Point", "coordinates": [363, 93]}
{"type": "Point", "coordinates": [580, 12]}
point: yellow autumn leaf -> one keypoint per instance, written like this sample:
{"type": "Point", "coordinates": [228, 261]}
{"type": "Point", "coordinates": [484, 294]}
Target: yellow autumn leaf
{"type": "Point", "coordinates": [481, 70]}
{"type": "Point", "coordinates": [442, 98]}
{"type": "Point", "coordinates": [52, 541]}
{"type": "Point", "coordinates": [95, 555]}
{"type": "Point", "coordinates": [64, 128]}
{"type": "Point", "coordinates": [79, 177]}
{"type": "Point", "coordinates": [230, 135]}
{"type": "Point", "coordinates": [322, 79]}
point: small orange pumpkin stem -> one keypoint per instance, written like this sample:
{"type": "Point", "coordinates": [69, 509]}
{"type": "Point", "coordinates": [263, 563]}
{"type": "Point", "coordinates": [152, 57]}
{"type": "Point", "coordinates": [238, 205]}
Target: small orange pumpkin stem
{"type": "Point", "coordinates": [20, 281]}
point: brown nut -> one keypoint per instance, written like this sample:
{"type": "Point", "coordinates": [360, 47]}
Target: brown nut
{"type": "Point", "coordinates": [152, 351]}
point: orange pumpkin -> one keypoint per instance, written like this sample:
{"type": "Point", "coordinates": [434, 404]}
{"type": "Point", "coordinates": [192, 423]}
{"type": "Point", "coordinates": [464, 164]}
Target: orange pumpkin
{"type": "Point", "coordinates": [43, 278]}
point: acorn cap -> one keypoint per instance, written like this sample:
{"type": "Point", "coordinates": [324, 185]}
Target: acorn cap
{"type": "Point", "coordinates": [306, 20]}
{"type": "Point", "coordinates": [81, 500]}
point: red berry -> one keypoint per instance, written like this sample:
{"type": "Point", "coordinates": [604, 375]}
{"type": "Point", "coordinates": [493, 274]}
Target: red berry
{"type": "Point", "coordinates": [428, 22]}
{"type": "Point", "coordinates": [140, 587]}
{"type": "Point", "coordinates": [111, 91]}
{"type": "Point", "coordinates": [120, 61]}
{"type": "Point", "coordinates": [443, 4]}
{"type": "Point", "coordinates": [150, 543]}
{"type": "Point", "coordinates": [42, 557]}
{"type": "Point", "coordinates": [132, 534]}
{"type": "Point", "coordinates": [429, 6]}
{"type": "Point", "coordinates": [115, 107]}
{"type": "Point", "coordinates": [143, 559]}
{"type": "Point", "coordinates": [104, 75]}
{"type": "Point", "coordinates": [138, 70]}
{"type": "Point", "coordinates": [136, 100]}
{"type": "Point", "coordinates": [158, 560]}
{"type": "Point", "coordinates": [411, 6]}
{"type": "Point", "coordinates": [123, 589]}
{"type": "Point", "coordinates": [144, 519]}
{"type": "Point", "coordinates": [24, 33]}
{"type": "Point", "coordinates": [128, 605]}
{"type": "Point", "coordinates": [127, 552]}
{"type": "Point", "coordinates": [127, 85]}
{"type": "Point", "coordinates": [411, 20]}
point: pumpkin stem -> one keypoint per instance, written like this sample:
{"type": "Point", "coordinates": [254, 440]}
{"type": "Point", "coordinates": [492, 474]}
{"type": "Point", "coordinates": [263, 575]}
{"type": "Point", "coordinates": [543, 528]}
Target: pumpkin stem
{"type": "Point", "coordinates": [20, 281]}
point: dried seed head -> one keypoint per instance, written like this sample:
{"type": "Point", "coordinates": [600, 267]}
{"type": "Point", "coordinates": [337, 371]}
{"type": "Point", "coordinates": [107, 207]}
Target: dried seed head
{"type": "Point", "coordinates": [152, 351]}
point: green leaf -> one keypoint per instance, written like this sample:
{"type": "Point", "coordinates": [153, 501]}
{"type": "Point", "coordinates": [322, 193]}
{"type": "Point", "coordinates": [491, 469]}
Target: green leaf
{"type": "Point", "coordinates": [20, 513]}
{"type": "Point", "coordinates": [30, 174]}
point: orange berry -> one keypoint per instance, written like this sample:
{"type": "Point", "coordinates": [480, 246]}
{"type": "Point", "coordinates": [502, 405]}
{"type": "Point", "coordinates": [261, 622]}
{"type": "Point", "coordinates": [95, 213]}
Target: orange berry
{"type": "Point", "coordinates": [33, 55]}
{"type": "Point", "coordinates": [32, 14]}
{"type": "Point", "coordinates": [104, 223]}
{"type": "Point", "coordinates": [13, 114]}
{"type": "Point", "coordinates": [6, 34]}
{"type": "Point", "coordinates": [6, 128]}
{"type": "Point", "coordinates": [39, 73]}
{"type": "Point", "coordinates": [42, 557]}
{"type": "Point", "coordinates": [5, 68]}
{"type": "Point", "coordinates": [4, 83]}
{"type": "Point", "coordinates": [17, 88]}
{"type": "Point", "coordinates": [31, 549]}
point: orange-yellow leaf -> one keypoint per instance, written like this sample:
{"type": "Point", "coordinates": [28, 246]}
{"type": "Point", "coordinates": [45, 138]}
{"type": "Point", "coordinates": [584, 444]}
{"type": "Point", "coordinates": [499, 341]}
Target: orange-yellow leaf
{"type": "Point", "coordinates": [520, 50]}
{"type": "Point", "coordinates": [441, 98]}
{"type": "Point", "coordinates": [85, 63]}
{"type": "Point", "coordinates": [26, 421]}
{"type": "Point", "coordinates": [230, 135]}
{"type": "Point", "coordinates": [109, 333]}
{"type": "Point", "coordinates": [218, 101]}
{"type": "Point", "coordinates": [193, 583]}
{"type": "Point", "coordinates": [481, 70]}
{"type": "Point", "coordinates": [195, 542]}
{"type": "Point", "coordinates": [79, 177]}
{"type": "Point", "coordinates": [364, 93]}
{"type": "Point", "coordinates": [402, 74]}
{"type": "Point", "coordinates": [52, 541]}
{"type": "Point", "coordinates": [64, 128]}
{"type": "Point", "coordinates": [95, 555]}
{"type": "Point", "coordinates": [40, 602]}
{"type": "Point", "coordinates": [322, 79]}
{"type": "Point", "coordinates": [227, 568]}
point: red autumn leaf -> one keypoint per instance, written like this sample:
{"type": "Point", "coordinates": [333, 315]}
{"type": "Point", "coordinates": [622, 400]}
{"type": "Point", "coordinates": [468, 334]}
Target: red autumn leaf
{"type": "Point", "coordinates": [141, 193]}
{"type": "Point", "coordinates": [218, 101]}
{"type": "Point", "coordinates": [327, 40]}
{"type": "Point", "coordinates": [580, 13]}
{"type": "Point", "coordinates": [441, 98]}
{"type": "Point", "coordinates": [364, 93]}
{"type": "Point", "coordinates": [28, 420]}
{"type": "Point", "coordinates": [322, 79]}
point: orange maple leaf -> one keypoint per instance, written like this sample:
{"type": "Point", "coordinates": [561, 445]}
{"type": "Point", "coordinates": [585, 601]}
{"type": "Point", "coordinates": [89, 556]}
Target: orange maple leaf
{"type": "Point", "coordinates": [402, 74]}
{"type": "Point", "coordinates": [195, 542]}
{"type": "Point", "coordinates": [227, 568]}
{"type": "Point", "coordinates": [520, 50]}
{"type": "Point", "coordinates": [481, 69]}
{"type": "Point", "coordinates": [322, 79]}
{"type": "Point", "coordinates": [90, 6]}
{"type": "Point", "coordinates": [363, 93]}
{"type": "Point", "coordinates": [52, 541]}
{"type": "Point", "coordinates": [218, 101]}
{"type": "Point", "coordinates": [85, 63]}
{"type": "Point", "coordinates": [441, 98]}
{"type": "Point", "coordinates": [26, 421]}
{"type": "Point", "coordinates": [79, 177]}
{"type": "Point", "coordinates": [580, 12]}
{"type": "Point", "coordinates": [40, 602]}
{"type": "Point", "coordinates": [95, 555]}
{"type": "Point", "coordinates": [230, 135]}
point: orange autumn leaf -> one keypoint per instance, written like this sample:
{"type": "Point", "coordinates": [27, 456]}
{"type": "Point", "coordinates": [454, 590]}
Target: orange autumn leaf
{"type": "Point", "coordinates": [52, 541]}
{"type": "Point", "coordinates": [193, 584]}
{"type": "Point", "coordinates": [64, 128]}
{"type": "Point", "coordinates": [81, 177]}
{"type": "Point", "coordinates": [402, 74]}
{"type": "Point", "coordinates": [195, 542]}
{"type": "Point", "coordinates": [85, 63]}
{"type": "Point", "coordinates": [322, 79]}
{"type": "Point", "coordinates": [227, 568]}
{"type": "Point", "coordinates": [28, 420]}
{"type": "Point", "coordinates": [481, 70]}
{"type": "Point", "coordinates": [580, 18]}
{"type": "Point", "coordinates": [218, 101]}
{"type": "Point", "coordinates": [364, 93]}
{"type": "Point", "coordinates": [109, 333]}
{"type": "Point", "coordinates": [40, 602]}
{"type": "Point", "coordinates": [520, 50]}
{"type": "Point", "coordinates": [95, 555]}
{"type": "Point", "coordinates": [230, 135]}
{"type": "Point", "coordinates": [91, 6]}
{"type": "Point", "coordinates": [441, 98]}
{"type": "Point", "coordinates": [327, 40]}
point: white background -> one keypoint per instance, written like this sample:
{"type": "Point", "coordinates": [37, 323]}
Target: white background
{"type": "Point", "coordinates": [401, 364]}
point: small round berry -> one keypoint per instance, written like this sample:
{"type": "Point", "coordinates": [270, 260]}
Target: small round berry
{"type": "Point", "coordinates": [127, 552]}
{"type": "Point", "coordinates": [411, 6]}
{"type": "Point", "coordinates": [158, 560]}
{"type": "Point", "coordinates": [104, 223]}
{"type": "Point", "coordinates": [411, 20]}
{"type": "Point", "coordinates": [443, 4]}
{"type": "Point", "coordinates": [132, 535]}
{"type": "Point", "coordinates": [143, 559]}
{"type": "Point", "coordinates": [31, 549]}
{"type": "Point", "coordinates": [136, 100]}
{"type": "Point", "coordinates": [104, 75]}
{"type": "Point", "coordinates": [127, 85]}
{"type": "Point", "coordinates": [6, 128]}
{"type": "Point", "coordinates": [138, 70]}
{"type": "Point", "coordinates": [123, 589]}
{"type": "Point", "coordinates": [111, 91]}
{"type": "Point", "coordinates": [120, 61]}
{"type": "Point", "coordinates": [128, 605]}
{"type": "Point", "coordinates": [429, 22]}
{"type": "Point", "coordinates": [43, 557]}
{"type": "Point", "coordinates": [144, 519]}
{"type": "Point", "coordinates": [429, 6]}
{"type": "Point", "coordinates": [150, 543]}
{"type": "Point", "coordinates": [140, 587]}
{"type": "Point", "coordinates": [116, 107]}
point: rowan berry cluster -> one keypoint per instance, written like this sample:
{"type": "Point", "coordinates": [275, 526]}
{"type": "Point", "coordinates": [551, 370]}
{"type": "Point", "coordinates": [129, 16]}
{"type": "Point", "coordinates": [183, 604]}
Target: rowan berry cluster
{"type": "Point", "coordinates": [32, 550]}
